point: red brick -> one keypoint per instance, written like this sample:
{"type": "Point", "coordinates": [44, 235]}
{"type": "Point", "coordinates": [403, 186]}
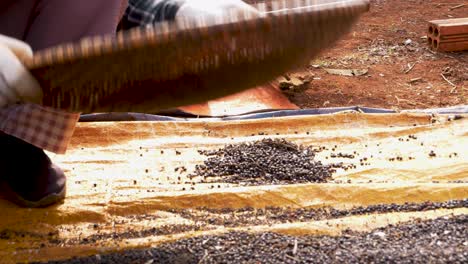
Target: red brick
{"type": "Point", "coordinates": [448, 34]}
{"type": "Point", "coordinates": [452, 46]}
{"type": "Point", "coordinates": [459, 36]}
{"type": "Point", "coordinates": [446, 27]}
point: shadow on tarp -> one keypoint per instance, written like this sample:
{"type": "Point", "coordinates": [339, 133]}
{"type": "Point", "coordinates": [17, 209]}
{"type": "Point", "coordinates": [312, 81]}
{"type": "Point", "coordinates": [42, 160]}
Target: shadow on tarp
{"type": "Point", "coordinates": [179, 115]}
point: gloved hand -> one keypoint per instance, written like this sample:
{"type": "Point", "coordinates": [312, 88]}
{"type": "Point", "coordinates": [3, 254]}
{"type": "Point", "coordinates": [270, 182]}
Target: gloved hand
{"type": "Point", "coordinates": [16, 82]}
{"type": "Point", "coordinates": [211, 9]}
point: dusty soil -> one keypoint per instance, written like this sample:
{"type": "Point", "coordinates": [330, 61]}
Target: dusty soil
{"type": "Point", "coordinates": [390, 43]}
{"type": "Point", "coordinates": [441, 240]}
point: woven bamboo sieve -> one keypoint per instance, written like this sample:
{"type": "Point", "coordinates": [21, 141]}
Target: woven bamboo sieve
{"type": "Point", "coordinates": [174, 64]}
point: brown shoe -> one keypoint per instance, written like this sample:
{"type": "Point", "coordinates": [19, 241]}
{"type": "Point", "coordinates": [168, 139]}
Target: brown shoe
{"type": "Point", "coordinates": [28, 177]}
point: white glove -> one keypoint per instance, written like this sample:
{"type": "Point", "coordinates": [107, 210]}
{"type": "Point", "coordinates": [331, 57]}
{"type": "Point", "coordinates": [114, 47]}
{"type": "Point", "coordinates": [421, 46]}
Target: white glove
{"type": "Point", "coordinates": [16, 82]}
{"type": "Point", "coordinates": [212, 9]}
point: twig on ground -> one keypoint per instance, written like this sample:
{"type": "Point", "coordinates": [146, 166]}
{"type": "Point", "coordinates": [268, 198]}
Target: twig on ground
{"type": "Point", "coordinates": [404, 100]}
{"type": "Point", "coordinates": [415, 80]}
{"type": "Point", "coordinates": [295, 247]}
{"type": "Point", "coordinates": [457, 6]}
{"type": "Point", "coordinates": [410, 68]}
{"type": "Point", "coordinates": [447, 80]}
{"type": "Point", "coordinates": [204, 257]}
{"type": "Point", "coordinates": [293, 258]}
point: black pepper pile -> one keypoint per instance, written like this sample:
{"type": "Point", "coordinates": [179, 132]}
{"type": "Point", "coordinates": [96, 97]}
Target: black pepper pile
{"type": "Point", "coordinates": [204, 219]}
{"type": "Point", "coordinates": [443, 240]}
{"type": "Point", "coordinates": [273, 215]}
{"type": "Point", "coordinates": [268, 161]}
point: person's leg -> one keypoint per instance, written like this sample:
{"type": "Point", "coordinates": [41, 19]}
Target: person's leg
{"type": "Point", "coordinates": [15, 16]}
{"type": "Point", "coordinates": [28, 176]}
{"type": "Point", "coordinates": [59, 21]}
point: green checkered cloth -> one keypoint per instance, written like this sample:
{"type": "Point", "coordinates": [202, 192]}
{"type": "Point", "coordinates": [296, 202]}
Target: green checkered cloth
{"type": "Point", "coordinates": [148, 12]}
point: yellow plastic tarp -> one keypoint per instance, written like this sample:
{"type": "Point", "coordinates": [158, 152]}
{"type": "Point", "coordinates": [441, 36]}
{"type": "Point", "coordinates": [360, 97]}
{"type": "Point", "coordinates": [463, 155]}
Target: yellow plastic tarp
{"type": "Point", "coordinates": [117, 171]}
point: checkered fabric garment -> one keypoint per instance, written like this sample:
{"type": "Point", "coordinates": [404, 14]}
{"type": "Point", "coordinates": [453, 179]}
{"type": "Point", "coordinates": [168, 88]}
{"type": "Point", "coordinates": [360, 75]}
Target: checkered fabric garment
{"type": "Point", "coordinates": [43, 127]}
{"type": "Point", "coordinates": [147, 12]}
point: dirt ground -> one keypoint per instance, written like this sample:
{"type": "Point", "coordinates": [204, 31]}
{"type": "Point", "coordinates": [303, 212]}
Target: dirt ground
{"type": "Point", "coordinates": [403, 73]}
